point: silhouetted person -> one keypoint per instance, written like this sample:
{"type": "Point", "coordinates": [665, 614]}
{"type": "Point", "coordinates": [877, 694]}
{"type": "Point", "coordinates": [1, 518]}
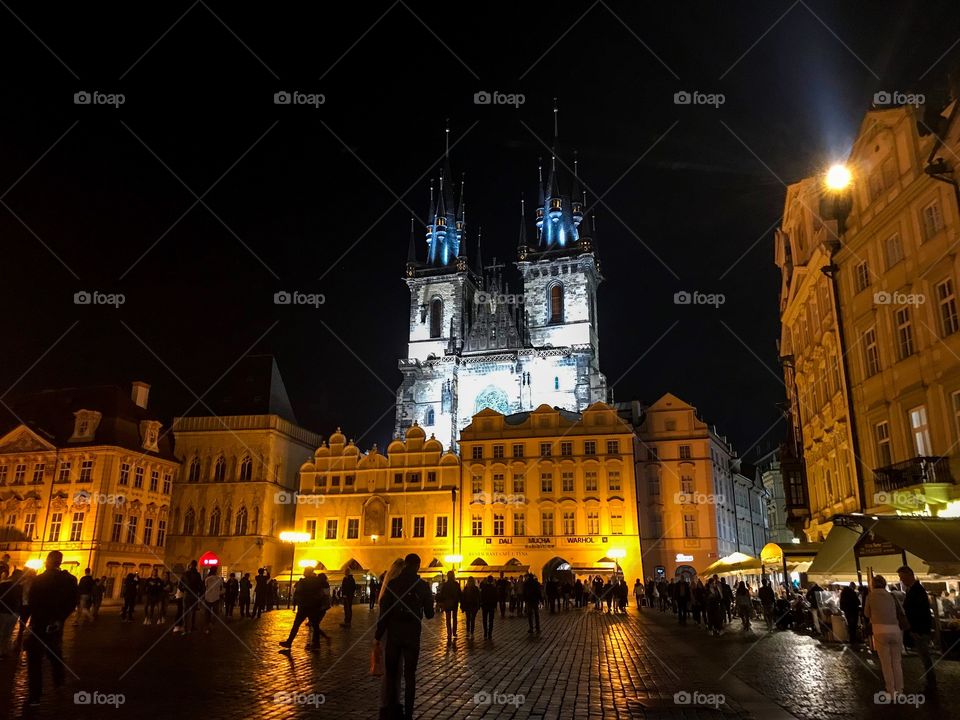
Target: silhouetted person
{"type": "Point", "coordinates": [489, 597]}
{"type": "Point", "coordinates": [531, 600]}
{"type": "Point", "coordinates": [245, 587]}
{"type": "Point", "coordinates": [850, 607]}
{"type": "Point", "coordinates": [53, 596]}
{"type": "Point", "coordinates": [348, 588]}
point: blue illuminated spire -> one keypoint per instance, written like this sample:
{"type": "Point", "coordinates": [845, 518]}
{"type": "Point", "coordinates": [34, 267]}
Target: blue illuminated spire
{"type": "Point", "coordinates": [445, 224]}
{"type": "Point", "coordinates": [555, 217]}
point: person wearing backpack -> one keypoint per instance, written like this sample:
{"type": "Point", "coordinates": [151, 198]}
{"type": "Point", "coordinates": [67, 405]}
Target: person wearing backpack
{"type": "Point", "coordinates": [405, 601]}
{"type": "Point", "coordinates": [448, 598]}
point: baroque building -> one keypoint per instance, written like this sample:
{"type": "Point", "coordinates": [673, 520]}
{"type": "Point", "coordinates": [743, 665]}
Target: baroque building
{"type": "Point", "coordinates": [89, 472]}
{"type": "Point", "coordinates": [473, 342]}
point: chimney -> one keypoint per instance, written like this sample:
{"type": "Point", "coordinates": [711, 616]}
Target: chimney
{"type": "Point", "coordinates": [139, 393]}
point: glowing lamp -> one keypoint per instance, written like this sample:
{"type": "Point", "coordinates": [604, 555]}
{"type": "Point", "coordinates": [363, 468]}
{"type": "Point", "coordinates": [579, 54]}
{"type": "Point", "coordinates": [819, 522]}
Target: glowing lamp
{"type": "Point", "coordinates": [453, 559]}
{"type": "Point", "coordinates": [306, 562]}
{"type": "Point", "coordinates": [34, 563]}
{"type": "Point", "coordinates": [838, 177]}
{"type": "Point", "coordinates": [292, 536]}
{"type": "Point", "coordinates": [373, 538]}
{"type": "Point", "coordinates": [617, 553]}
{"type": "Point", "coordinates": [208, 559]}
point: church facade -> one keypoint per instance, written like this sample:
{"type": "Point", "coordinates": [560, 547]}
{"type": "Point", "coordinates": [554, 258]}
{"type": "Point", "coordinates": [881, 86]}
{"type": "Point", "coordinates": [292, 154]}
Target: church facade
{"type": "Point", "coordinates": [475, 343]}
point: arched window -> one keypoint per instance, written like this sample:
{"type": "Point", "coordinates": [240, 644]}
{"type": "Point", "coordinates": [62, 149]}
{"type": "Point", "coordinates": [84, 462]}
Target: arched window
{"type": "Point", "coordinates": [195, 470]}
{"type": "Point", "coordinates": [240, 527]}
{"type": "Point", "coordinates": [215, 522]}
{"type": "Point", "coordinates": [436, 317]}
{"type": "Point", "coordinates": [556, 382]}
{"type": "Point", "coordinates": [220, 470]}
{"type": "Point", "coordinates": [189, 522]}
{"type": "Point", "coordinates": [556, 303]}
{"type": "Point", "coordinates": [430, 417]}
{"type": "Point", "coordinates": [246, 469]}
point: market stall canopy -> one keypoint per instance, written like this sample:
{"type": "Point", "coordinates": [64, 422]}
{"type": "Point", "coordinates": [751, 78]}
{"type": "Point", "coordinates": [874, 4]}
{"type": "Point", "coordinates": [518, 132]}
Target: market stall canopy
{"type": "Point", "coordinates": [732, 563]}
{"type": "Point", "coordinates": [791, 555]}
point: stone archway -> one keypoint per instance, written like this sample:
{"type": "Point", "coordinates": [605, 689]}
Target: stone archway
{"type": "Point", "coordinates": [558, 568]}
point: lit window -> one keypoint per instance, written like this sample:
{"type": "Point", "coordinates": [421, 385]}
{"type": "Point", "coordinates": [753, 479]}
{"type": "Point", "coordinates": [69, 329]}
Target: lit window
{"type": "Point", "coordinates": [593, 522]}
{"type": "Point", "coordinates": [498, 524]}
{"type": "Point", "coordinates": [616, 522]}
{"type": "Point", "coordinates": [613, 480]}
{"type": "Point", "coordinates": [920, 431]}
{"type": "Point", "coordinates": [569, 522]}
{"type": "Point", "coordinates": [519, 524]}
{"type": "Point", "coordinates": [546, 523]}
{"type": "Point", "coordinates": [476, 524]}
{"type": "Point", "coordinates": [441, 526]}
{"type": "Point", "coordinates": [419, 526]}
{"type": "Point", "coordinates": [590, 480]}
{"type": "Point", "coordinates": [566, 481]}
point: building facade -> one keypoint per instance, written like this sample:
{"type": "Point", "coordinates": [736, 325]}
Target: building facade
{"type": "Point", "coordinates": [770, 476]}
{"type": "Point", "coordinates": [474, 343]}
{"type": "Point", "coordinates": [88, 472]}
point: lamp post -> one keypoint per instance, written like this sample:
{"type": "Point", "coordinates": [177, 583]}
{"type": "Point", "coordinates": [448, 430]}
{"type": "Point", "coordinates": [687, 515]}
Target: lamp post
{"type": "Point", "coordinates": [293, 537]}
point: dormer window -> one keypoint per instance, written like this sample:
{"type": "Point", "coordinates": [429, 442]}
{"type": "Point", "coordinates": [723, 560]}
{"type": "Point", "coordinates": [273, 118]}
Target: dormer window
{"type": "Point", "coordinates": [85, 425]}
{"type": "Point", "coordinates": [150, 434]}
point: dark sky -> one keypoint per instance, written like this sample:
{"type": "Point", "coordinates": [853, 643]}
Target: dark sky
{"type": "Point", "coordinates": [319, 199]}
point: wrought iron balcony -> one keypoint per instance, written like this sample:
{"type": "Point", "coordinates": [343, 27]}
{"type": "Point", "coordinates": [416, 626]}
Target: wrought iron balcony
{"type": "Point", "coordinates": [921, 470]}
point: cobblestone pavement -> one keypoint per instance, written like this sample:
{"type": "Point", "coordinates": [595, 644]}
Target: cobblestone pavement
{"type": "Point", "coordinates": [582, 665]}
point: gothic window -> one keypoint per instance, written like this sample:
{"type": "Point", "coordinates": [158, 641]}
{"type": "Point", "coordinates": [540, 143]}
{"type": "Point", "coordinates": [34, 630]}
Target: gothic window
{"type": "Point", "coordinates": [246, 469]}
{"type": "Point", "coordinates": [220, 471]}
{"type": "Point", "coordinates": [215, 522]}
{"type": "Point", "coordinates": [430, 417]}
{"type": "Point", "coordinates": [195, 470]}
{"type": "Point", "coordinates": [241, 522]}
{"type": "Point", "coordinates": [556, 303]}
{"type": "Point", "coordinates": [189, 522]}
{"type": "Point", "coordinates": [436, 317]}
{"type": "Point", "coordinates": [494, 398]}
{"type": "Point", "coordinates": [556, 383]}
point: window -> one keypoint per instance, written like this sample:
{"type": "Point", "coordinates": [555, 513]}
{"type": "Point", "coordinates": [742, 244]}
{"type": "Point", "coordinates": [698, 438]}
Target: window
{"type": "Point", "coordinates": [947, 303]}
{"type": "Point", "coordinates": [220, 471]}
{"type": "Point", "coordinates": [430, 418]}
{"type": "Point", "coordinates": [566, 449]}
{"type": "Point", "coordinates": [569, 522]}
{"type": "Point", "coordinates": [613, 480]}
{"type": "Point", "coordinates": [436, 317]}
{"type": "Point", "coordinates": [419, 526]}
{"type": "Point", "coordinates": [556, 303]}
{"type": "Point", "coordinates": [161, 533]}
{"type": "Point", "coordinates": [546, 449]}
{"type": "Point", "coordinates": [894, 250]}
{"type": "Point", "coordinates": [498, 451]}
{"type": "Point", "coordinates": [590, 481]}
{"type": "Point", "coordinates": [689, 525]}
{"type": "Point", "coordinates": [56, 520]}
{"type": "Point", "coordinates": [499, 485]}
{"type": "Point", "coordinates": [685, 452]}
{"type": "Point", "coordinates": [353, 528]}
{"type": "Point", "coordinates": [442, 526]}
{"type": "Point", "coordinates": [396, 527]}
{"type": "Point", "coordinates": [546, 523]}
{"type": "Point", "coordinates": [653, 482]}
{"type": "Point", "coordinates": [519, 524]}
{"type": "Point", "coordinates": [920, 431]}
{"type": "Point", "coordinates": [518, 484]}
{"type": "Point", "coordinates": [349, 480]}
{"type": "Point", "coordinates": [566, 481]}
{"type": "Point", "coordinates": [38, 474]}
{"type": "Point", "coordinates": [476, 524]}
{"type": "Point", "coordinates": [215, 521]}
{"type": "Point", "coordinates": [29, 525]}
{"type": "Point", "coordinates": [932, 219]}
{"type": "Point", "coordinates": [862, 277]}
{"type": "Point", "coordinates": [189, 523]}
{"type": "Point", "coordinates": [476, 484]}
{"type": "Point", "coordinates": [147, 531]}
{"type": "Point", "coordinates": [590, 447]}
{"type": "Point", "coordinates": [686, 485]}
{"type": "Point", "coordinates": [132, 529]}
{"type": "Point", "coordinates": [593, 522]}
{"type": "Point", "coordinates": [3, 474]}
{"type": "Point", "coordinates": [19, 472]}
{"type": "Point", "coordinates": [904, 333]}
{"type": "Point", "coordinates": [518, 450]}
{"type": "Point", "coordinates": [331, 531]}
{"type": "Point", "coordinates": [546, 482]}
{"type": "Point", "coordinates": [246, 469]}
{"type": "Point", "coordinates": [498, 524]}
{"type": "Point", "coordinates": [240, 522]}
{"type": "Point", "coordinates": [616, 522]}
{"type": "Point", "coordinates": [194, 471]}
{"type": "Point", "coordinates": [871, 354]}
{"type": "Point", "coordinates": [613, 447]}
{"type": "Point", "coordinates": [556, 382]}
{"type": "Point", "coordinates": [881, 434]}
{"type": "Point", "coordinates": [413, 477]}
{"type": "Point", "coordinates": [335, 481]}
{"type": "Point", "coordinates": [431, 476]}
{"type": "Point", "coordinates": [477, 452]}
{"type": "Point", "coordinates": [124, 473]}
{"type": "Point", "coordinates": [154, 483]}
{"type": "Point", "coordinates": [167, 480]}
{"type": "Point", "coordinates": [398, 478]}
{"type": "Point", "coordinates": [310, 526]}
{"type": "Point", "coordinates": [138, 477]}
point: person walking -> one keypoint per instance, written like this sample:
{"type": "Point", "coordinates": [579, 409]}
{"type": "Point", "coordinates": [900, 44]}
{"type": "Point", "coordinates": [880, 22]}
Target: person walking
{"type": "Point", "coordinates": [681, 595]}
{"type": "Point", "coordinates": [260, 589]}
{"type": "Point", "coordinates": [320, 610]}
{"type": "Point", "coordinates": [448, 598]}
{"type": "Point", "coordinates": [130, 591]}
{"type": "Point", "coordinates": [53, 596]}
{"type": "Point", "coordinates": [405, 600]}
{"type": "Point", "coordinates": [470, 602]}
{"type": "Point", "coordinates": [744, 604]}
{"type": "Point", "coordinates": [231, 590]}
{"type": "Point", "coordinates": [813, 597]}
{"type": "Point", "coordinates": [489, 597]}
{"type": "Point", "coordinates": [886, 616]}
{"type": "Point", "coordinates": [850, 607]}
{"type": "Point", "coordinates": [373, 591]}
{"type": "Point", "coordinates": [715, 607]}
{"type": "Point", "coordinates": [578, 593]}
{"type": "Point", "coordinates": [307, 597]}
{"type": "Point", "coordinates": [727, 592]}
{"type": "Point", "coordinates": [11, 594]}
{"type": "Point", "coordinates": [86, 588]}
{"type": "Point", "coordinates": [638, 594]}
{"type": "Point", "coordinates": [503, 594]}
{"type": "Point", "coordinates": [768, 600]}
{"type": "Point", "coordinates": [245, 587]}
{"type": "Point", "coordinates": [192, 589]}
{"type": "Point", "coordinates": [698, 602]}
{"type": "Point", "coordinates": [153, 588]}
{"type": "Point", "coordinates": [99, 590]}
{"type": "Point", "coordinates": [212, 593]}
{"type": "Point", "coordinates": [532, 594]}
{"type": "Point", "coordinates": [348, 588]}
{"type": "Point", "coordinates": [916, 606]}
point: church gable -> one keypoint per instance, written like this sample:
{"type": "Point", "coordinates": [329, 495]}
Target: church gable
{"type": "Point", "coordinates": [24, 440]}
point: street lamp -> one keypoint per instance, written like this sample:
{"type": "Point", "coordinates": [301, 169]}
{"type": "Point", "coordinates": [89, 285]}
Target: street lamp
{"type": "Point", "coordinates": [838, 177]}
{"type": "Point", "coordinates": [617, 554]}
{"type": "Point", "coordinates": [293, 537]}
{"type": "Point", "coordinates": [453, 560]}
{"type": "Point", "coordinates": [34, 563]}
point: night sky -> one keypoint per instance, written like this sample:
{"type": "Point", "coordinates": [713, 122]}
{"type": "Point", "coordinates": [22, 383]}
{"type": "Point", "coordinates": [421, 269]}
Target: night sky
{"type": "Point", "coordinates": [319, 200]}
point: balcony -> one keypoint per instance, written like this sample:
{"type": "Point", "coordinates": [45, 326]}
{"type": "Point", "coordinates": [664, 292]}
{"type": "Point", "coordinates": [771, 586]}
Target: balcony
{"type": "Point", "coordinates": [922, 470]}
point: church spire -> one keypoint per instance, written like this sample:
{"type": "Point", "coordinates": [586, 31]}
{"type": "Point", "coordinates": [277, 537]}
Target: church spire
{"type": "Point", "coordinates": [479, 266]}
{"type": "Point", "coordinates": [522, 243]}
